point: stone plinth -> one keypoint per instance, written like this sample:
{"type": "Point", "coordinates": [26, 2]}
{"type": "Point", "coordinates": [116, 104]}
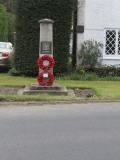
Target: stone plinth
{"type": "Point", "coordinates": [51, 90]}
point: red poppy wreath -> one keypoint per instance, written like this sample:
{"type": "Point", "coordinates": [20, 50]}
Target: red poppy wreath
{"type": "Point", "coordinates": [42, 65]}
{"type": "Point", "coordinates": [44, 80]}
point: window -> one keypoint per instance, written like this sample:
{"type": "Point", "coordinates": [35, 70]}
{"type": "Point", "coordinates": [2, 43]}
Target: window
{"type": "Point", "coordinates": [112, 42]}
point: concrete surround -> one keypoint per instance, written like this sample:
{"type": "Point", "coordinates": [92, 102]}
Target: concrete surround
{"type": "Point", "coordinates": [97, 16]}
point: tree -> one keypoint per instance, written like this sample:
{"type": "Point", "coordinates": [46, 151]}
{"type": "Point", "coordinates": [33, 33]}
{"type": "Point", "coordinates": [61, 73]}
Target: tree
{"type": "Point", "coordinates": [27, 32]}
{"type": "Point", "coordinates": [9, 4]}
{"type": "Point", "coordinates": [11, 27]}
{"type": "Point", "coordinates": [3, 24]}
{"type": "Point", "coordinates": [10, 7]}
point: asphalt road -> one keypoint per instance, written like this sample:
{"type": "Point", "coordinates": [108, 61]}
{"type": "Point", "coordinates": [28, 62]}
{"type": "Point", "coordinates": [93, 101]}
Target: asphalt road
{"type": "Point", "coordinates": [60, 132]}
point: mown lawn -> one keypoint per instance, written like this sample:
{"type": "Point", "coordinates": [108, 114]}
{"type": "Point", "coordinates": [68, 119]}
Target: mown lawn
{"type": "Point", "coordinates": [6, 80]}
{"type": "Point", "coordinates": [105, 90]}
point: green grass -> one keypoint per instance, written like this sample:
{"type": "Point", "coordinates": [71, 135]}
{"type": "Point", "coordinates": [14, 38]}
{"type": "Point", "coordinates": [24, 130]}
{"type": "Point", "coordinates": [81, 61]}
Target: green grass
{"type": "Point", "coordinates": [105, 90]}
{"type": "Point", "coordinates": [44, 97]}
{"type": "Point", "coordinates": [6, 80]}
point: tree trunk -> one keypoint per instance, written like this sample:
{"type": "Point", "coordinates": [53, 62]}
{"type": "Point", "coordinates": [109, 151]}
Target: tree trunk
{"type": "Point", "coordinates": [74, 35]}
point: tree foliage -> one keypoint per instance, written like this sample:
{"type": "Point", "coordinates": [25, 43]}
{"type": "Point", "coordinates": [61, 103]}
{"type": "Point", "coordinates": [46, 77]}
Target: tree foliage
{"type": "Point", "coordinates": [9, 4]}
{"type": "Point", "coordinates": [11, 27]}
{"type": "Point", "coordinates": [10, 8]}
{"type": "Point", "coordinates": [27, 32]}
{"type": "Point", "coordinates": [3, 23]}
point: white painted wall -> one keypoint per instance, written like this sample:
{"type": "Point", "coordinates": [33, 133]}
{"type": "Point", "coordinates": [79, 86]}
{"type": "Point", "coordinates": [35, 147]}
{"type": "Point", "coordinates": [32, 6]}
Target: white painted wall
{"type": "Point", "coordinates": [96, 15]}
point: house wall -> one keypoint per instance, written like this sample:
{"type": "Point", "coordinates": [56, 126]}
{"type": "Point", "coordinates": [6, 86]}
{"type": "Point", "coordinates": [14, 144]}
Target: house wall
{"type": "Point", "coordinates": [98, 15]}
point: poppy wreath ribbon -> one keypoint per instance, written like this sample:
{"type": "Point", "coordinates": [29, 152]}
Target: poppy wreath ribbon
{"type": "Point", "coordinates": [40, 62]}
{"type": "Point", "coordinates": [43, 81]}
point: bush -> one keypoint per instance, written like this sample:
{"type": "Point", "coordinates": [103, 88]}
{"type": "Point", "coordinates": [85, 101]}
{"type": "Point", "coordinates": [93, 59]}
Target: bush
{"type": "Point", "coordinates": [89, 53]}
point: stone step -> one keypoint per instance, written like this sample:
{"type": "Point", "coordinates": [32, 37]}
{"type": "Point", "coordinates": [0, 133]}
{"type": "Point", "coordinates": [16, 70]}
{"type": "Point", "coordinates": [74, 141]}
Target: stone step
{"type": "Point", "coordinates": [51, 90]}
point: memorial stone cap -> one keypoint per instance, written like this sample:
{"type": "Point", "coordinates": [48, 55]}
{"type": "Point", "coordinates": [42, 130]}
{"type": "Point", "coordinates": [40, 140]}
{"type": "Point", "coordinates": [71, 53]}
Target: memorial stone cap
{"type": "Point", "coordinates": [46, 21]}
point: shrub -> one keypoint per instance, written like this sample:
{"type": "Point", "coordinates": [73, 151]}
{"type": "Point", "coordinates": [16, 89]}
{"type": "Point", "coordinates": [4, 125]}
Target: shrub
{"type": "Point", "coordinates": [89, 53]}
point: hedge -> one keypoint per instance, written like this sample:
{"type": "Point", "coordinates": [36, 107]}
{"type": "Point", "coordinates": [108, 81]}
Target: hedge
{"type": "Point", "coordinates": [107, 71]}
{"type": "Point", "coordinates": [27, 32]}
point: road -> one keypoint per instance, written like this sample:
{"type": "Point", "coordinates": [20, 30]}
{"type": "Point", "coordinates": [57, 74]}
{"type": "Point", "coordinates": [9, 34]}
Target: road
{"type": "Point", "coordinates": [60, 132]}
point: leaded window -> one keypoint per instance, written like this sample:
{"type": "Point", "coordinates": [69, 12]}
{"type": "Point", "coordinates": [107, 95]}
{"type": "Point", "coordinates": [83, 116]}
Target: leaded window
{"type": "Point", "coordinates": [119, 42]}
{"type": "Point", "coordinates": [112, 42]}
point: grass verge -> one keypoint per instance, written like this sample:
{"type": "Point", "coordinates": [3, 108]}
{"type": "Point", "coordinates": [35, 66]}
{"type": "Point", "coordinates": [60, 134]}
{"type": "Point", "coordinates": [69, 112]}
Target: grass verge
{"type": "Point", "coordinates": [105, 90]}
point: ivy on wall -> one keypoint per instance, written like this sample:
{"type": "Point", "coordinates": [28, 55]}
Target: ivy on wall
{"type": "Point", "coordinates": [29, 12]}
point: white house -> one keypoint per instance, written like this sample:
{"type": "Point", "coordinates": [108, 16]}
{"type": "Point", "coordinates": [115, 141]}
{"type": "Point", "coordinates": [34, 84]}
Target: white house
{"type": "Point", "coordinates": [100, 20]}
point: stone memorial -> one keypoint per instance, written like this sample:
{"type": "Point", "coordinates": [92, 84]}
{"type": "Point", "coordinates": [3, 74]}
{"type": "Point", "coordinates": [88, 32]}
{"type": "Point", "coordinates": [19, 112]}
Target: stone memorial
{"type": "Point", "coordinates": [45, 79]}
{"type": "Point", "coordinates": [46, 61]}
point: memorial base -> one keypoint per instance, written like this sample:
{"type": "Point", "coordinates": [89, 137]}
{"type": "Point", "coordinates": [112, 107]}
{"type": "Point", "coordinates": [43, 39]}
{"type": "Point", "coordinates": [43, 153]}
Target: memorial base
{"type": "Point", "coordinates": [35, 89]}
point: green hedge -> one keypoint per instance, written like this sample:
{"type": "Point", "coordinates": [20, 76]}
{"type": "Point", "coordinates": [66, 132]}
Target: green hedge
{"type": "Point", "coordinates": [107, 71]}
{"type": "Point", "coordinates": [27, 32]}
